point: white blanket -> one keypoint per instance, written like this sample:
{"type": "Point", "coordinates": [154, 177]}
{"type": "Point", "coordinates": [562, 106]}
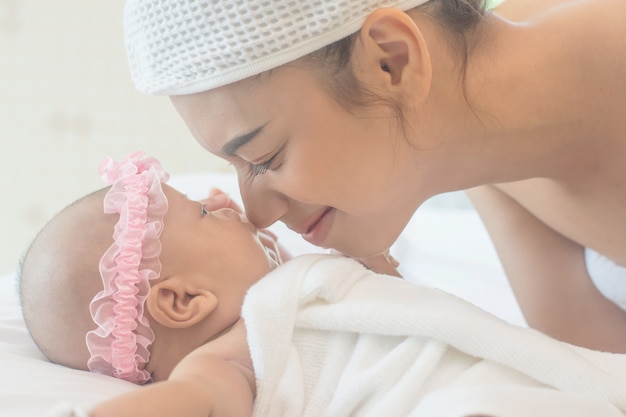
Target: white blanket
{"type": "Point", "coordinates": [330, 338]}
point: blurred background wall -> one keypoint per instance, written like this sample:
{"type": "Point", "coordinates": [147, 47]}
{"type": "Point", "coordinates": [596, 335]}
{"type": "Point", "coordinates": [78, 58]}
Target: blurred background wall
{"type": "Point", "coordinates": [67, 101]}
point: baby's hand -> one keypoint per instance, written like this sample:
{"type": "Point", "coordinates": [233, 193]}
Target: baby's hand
{"type": "Point", "coordinates": [381, 264]}
{"type": "Point", "coordinates": [218, 199]}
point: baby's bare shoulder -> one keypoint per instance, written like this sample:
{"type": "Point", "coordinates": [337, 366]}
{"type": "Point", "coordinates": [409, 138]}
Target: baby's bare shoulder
{"type": "Point", "coordinates": [231, 346]}
{"type": "Point", "coordinates": [221, 367]}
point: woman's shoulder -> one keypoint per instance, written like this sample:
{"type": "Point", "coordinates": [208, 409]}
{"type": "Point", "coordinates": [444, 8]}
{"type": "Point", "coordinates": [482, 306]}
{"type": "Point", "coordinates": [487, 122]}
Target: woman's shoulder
{"type": "Point", "coordinates": [589, 32]}
{"type": "Point", "coordinates": [524, 10]}
{"type": "Point", "coordinates": [594, 12]}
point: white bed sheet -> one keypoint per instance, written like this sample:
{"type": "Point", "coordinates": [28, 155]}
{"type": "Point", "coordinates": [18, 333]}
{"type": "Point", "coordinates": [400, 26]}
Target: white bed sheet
{"type": "Point", "coordinates": [445, 246]}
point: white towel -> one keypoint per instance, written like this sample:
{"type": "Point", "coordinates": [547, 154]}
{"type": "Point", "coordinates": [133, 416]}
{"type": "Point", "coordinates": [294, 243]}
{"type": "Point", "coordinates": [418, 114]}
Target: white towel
{"type": "Point", "coordinates": [608, 277]}
{"type": "Point", "coordinates": [330, 338]}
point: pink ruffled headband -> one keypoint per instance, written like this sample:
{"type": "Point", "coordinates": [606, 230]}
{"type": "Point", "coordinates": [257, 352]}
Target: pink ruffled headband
{"type": "Point", "coordinates": [119, 346]}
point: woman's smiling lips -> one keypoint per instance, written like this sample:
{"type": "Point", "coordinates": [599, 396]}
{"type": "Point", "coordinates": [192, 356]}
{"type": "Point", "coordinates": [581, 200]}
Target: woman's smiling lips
{"type": "Point", "coordinates": [318, 227]}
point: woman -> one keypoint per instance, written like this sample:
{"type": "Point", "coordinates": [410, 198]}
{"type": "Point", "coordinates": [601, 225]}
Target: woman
{"type": "Point", "coordinates": [341, 118]}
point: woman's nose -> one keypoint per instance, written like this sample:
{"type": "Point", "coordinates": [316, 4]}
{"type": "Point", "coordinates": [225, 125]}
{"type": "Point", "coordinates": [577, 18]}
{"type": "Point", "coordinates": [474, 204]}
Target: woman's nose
{"type": "Point", "coordinates": [263, 206]}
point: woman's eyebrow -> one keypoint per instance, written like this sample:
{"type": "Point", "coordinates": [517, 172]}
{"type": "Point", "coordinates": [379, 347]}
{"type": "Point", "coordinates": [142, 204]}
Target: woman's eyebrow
{"type": "Point", "coordinates": [231, 147]}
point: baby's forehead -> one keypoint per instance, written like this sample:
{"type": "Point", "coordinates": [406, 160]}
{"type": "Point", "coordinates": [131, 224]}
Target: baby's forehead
{"type": "Point", "coordinates": [174, 196]}
{"type": "Point", "coordinates": [177, 198]}
{"type": "Point", "coordinates": [170, 191]}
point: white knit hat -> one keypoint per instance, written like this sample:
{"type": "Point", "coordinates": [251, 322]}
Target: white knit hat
{"type": "Point", "coordinates": [187, 46]}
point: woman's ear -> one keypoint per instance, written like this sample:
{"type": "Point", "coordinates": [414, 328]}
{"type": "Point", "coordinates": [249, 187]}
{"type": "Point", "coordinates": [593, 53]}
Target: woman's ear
{"type": "Point", "coordinates": [177, 303]}
{"type": "Point", "coordinates": [391, 53]}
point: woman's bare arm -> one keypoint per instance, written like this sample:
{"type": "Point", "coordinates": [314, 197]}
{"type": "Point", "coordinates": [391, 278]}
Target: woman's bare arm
{"type": "Point", "coordinates": [548, 275]}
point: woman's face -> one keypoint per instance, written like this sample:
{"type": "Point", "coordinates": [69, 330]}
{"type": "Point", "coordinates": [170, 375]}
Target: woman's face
{"type": "Point", "coordinates": [338, 178]}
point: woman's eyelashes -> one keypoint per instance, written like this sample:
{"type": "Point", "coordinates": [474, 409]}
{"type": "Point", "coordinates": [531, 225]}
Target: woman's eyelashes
{"type": "Point", "coordinates": [261, 168]}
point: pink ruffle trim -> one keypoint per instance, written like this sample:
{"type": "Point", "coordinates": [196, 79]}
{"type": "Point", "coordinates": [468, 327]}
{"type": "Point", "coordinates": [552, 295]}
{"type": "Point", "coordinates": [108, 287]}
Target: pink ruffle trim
{"type": "Point", "coordinates": [119, 346]}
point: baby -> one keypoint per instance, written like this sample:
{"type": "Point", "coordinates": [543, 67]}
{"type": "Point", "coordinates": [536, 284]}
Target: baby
{"type": "Point", "coordinates": [172, 278]}
{"type": "Point", "coordinates": [164, 300]}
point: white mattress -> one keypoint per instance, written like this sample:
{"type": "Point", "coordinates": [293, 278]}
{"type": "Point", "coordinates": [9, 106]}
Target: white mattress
{"type": "Point", "coordinates": [445, 246]}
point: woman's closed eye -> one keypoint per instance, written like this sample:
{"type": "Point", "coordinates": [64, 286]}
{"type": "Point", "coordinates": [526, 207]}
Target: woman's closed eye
{"type": "Point", "coordinates": [261, 168]}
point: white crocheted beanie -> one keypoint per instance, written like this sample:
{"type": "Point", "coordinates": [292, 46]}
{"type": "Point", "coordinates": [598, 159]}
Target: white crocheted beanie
{"type": "Point", "coordinates": [187, 46]}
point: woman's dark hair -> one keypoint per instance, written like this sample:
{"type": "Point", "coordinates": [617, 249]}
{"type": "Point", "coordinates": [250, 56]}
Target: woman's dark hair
{"type": "Point", "coordinates": [456, 17]}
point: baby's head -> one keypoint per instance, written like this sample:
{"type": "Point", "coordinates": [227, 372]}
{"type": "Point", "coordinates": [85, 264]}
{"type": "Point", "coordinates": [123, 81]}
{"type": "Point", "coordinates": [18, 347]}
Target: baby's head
{"type": "Point", "coordinates": [129, 279]}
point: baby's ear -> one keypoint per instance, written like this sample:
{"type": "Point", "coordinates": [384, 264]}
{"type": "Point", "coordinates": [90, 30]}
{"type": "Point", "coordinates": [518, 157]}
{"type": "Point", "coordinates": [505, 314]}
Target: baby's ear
{"type": "Point", "coordinates": [177, 303]}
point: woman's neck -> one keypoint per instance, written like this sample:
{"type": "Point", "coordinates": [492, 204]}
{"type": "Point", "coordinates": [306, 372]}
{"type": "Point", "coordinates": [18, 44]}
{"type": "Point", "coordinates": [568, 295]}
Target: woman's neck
{"type": "Point", "coordinates": [513, 125]}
